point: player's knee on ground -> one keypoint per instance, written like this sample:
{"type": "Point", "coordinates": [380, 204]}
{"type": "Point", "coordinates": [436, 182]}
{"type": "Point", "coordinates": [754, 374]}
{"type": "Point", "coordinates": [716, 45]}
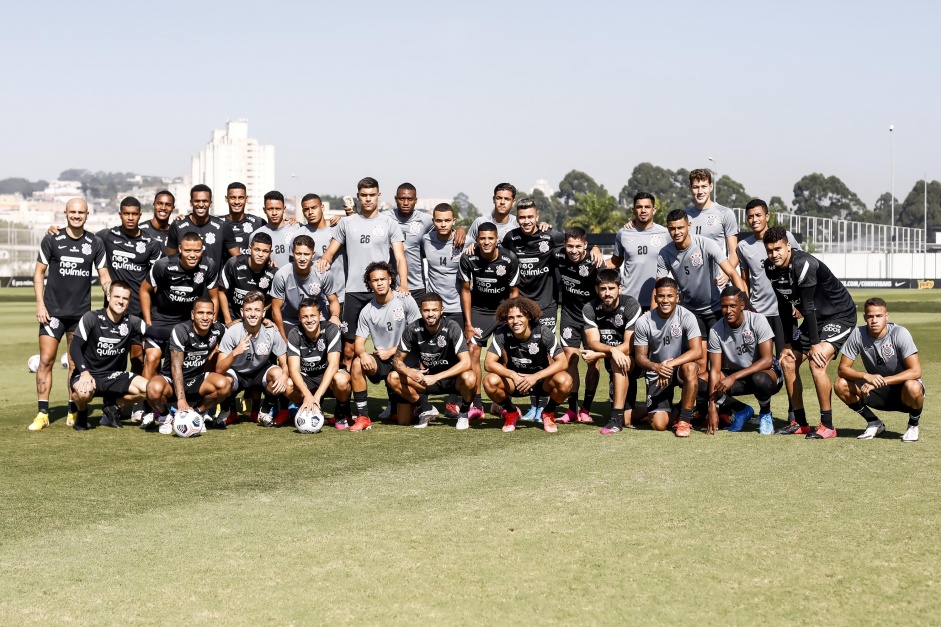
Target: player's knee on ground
{"type": "Point", "coordinates": [660, 421]}
{"type": "Point", "coordinates": [844, 391]}
{"type": "Point", "coordinates": [913, 394]}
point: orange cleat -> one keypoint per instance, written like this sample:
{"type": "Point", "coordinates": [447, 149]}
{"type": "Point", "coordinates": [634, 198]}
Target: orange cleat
{"type": "Point", "coordinates": [361, 424]}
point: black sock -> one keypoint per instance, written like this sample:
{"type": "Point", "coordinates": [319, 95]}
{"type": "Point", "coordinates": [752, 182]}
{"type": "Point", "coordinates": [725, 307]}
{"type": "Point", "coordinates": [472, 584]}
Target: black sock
{"type": "Point", "coordinates": [764, 407]}
{"type": "Point", "coordinates": [617, 415]}
{"type": "Point", "coordinates": [82, 417]}
{"type": "Point", "coordinates": [362, 403]}
{"type": "Point", "coordinates": [589, 399]}
{"type": "Point", "coordinates": [423, 404]}
{"type": "Point", "coordinates": [573, 401]}
{"type": "Point", "coordinates": [826, 418]}
{"type": "Point", "coordinates": [343, 408]}
{"type": "Point", "coordinates": [465, 406]}
{"type": "Point", "coordinates": [507, 404]}
{"type": "Point", "coordinates": [914, 415]}
{"type": "Point", "coordinates": [800, 417]}
{"type": "Point", "coordinates": [686, 415]}
{"type": "Point", "coordinates": [478, 401]}
{"type": "Point", "coordinates": [864, 411]}
{"type": "Point", "coordinates": [226, 405]}
{"type": "Point", "coordinates": [737, 405]}
{"type": "Point", "coordinates": [109, 399]}
{"type": "Point", "coordinates": [551, 406]}
{"type": "Point", "coordinates": [44, 406]}
{"type": "Point", "coordinates": [540, 401]}
{"type": "Point", "coordinates": [72, 407]}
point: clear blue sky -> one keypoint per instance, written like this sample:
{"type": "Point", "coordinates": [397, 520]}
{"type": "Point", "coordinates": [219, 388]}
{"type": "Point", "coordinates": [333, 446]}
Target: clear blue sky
{"type": "Point", "coordinates": [459, 96]}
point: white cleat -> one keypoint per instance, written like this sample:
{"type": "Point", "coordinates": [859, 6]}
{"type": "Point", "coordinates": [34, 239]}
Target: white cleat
{"type": "Point", "coordinates": [911, 434]}
{"type": "Point", "coordinates": [166, 428]}
{"type": "Point", "coordinates": [871, 431]}
{"type": "Point", "coordinates": [431, 413]}
{"type": "Point", "coordinates": [424, 419]}
{"type": "Point", "coordinates": [463, 422]}
{"type": "Point", "coordinates": [137, 416]}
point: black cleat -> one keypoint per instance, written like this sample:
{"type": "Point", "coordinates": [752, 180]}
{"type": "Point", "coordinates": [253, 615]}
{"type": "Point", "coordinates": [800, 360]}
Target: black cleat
{"type": "Point", "coordinates": [111, 417]}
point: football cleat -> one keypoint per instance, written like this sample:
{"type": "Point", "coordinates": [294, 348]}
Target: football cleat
{"type": "Point", "coordinates": [529, 416]}
{"type": "Point", "coordinates": [683, 429]}
{"type": "Point", "coordinates": [137, 416]}
{"type": "Point", "coordinates": [232, 417]}
{"type": "Point", "coordinates": [452, 410]}
{"type": "Point", "coordinates": [265, 419]}
{"type": "Point", "coordinates": [431, 413]}
{"type": "Point", "coordinates": [362, 423]}
{"type": "Point", "coordinates": [341, 423]}
{"type": "Point", "coordinates": [462, 422]}
{"type": "Point", "coordinates": [111, 417]}
{"type": "Point", "coordinates": [70, 419]}
{"type": "Point", "coordinates": [548, 422]}
{"type": "Point", "coordinates": [740, 417]}
{"type": "Point", "coordinates": [424, 419]}
{"type": "Point", "coordinates": [282, 417]}
{"type": "Point", "coordinates": [822, 433]}
{"type": "Point", "coordinates": [475, 413]}
{"type": "Point", "coordinates": [510, 418]}
{"type": "Point", "coordinates": [567, 417]}
{"type": "Point", "coordinates": [167, 427]}
{"type": "Point", "coordinates": [765, 424]}
{"type": "Point", "coordinates": [80, 425]}
{"type": "Point", "coordinates": [147, 421]}
{"type": "Point", "coordinates": [614, 426]}
{"type": "Point", "coordinates": [792, 428]}
{"type": "Point", "coordinates": [584, 416]}
{"type": "Point", "coordinates": [41, 421]}
{"type": "Point", "coordinates": [871, 431]}
{"type": "Point", "coordinates": [386, 413]}
{"type": "Point", "coordinates": [911, 434]}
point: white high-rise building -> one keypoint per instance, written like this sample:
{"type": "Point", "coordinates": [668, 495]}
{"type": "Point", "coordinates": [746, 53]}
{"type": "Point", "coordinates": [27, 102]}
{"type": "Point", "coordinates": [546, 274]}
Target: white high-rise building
{"type": "Point", "coordinates": [231, 155]}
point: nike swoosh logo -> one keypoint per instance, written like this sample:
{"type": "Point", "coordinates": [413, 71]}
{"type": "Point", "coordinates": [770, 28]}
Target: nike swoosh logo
{"type": "Point", "coordinates": [900, 283]}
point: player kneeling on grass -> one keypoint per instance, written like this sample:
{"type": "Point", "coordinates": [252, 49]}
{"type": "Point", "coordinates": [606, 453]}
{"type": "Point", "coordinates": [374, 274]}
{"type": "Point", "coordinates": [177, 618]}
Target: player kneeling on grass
{"type": "Point", "coordinates": [245, 357]}
{"type": "Point", "coordinates": [314, 352]}
{"type": "Point", "coordinates": [437, 352]}
{"type": "Point", "coordinates": [187, 373]}
{"type": "Point", "coordinates": [525, 356]}
{"type": "Point", "coordinates": [741, 361]}
{"type": "Point", "coordinates": [668, 345]}
{"type": "Point", "coordinates": [99, 350]}
{"type": "Point", "coordinates": [892, 380]}
{"type": "Point", "coordinates": [609, 329]}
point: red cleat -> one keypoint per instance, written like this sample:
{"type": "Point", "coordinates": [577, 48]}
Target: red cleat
{"type": "Point", "coordinates": [362, 423]}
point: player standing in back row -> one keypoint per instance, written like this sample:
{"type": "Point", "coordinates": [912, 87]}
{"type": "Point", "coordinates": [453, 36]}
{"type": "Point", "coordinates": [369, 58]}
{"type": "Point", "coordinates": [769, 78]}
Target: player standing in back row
{"type": "Point", "coordinates": [636, 249]}
{"type": "Point", "coordinates": [711, 220]}
{"type": "Point", "coordinates": [216, 234]}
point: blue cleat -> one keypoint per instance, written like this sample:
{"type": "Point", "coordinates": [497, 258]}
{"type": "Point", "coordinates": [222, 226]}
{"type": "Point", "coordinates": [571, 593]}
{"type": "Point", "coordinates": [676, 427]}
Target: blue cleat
{"type": "Point", "coordinates": [530, 415]}
{"type": "Point", "coordinates": [740, 418]}
{"type": "Point", "coordinates": [766, 424]}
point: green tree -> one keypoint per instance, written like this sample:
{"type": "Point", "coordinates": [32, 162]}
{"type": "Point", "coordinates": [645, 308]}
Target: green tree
{"type": "Point", "coordinates": [551, 210]}
{"type": "Point", "coordinates": [597, 213]}
{"type": "Point", "coordinates": [671, 189]}
{"type": "Point", "coordinates": [465, 210]}
{"type": "Point", "coordinates": [777, 204]}
{"type": "Point", "coordinates": [21, 186]}
{"type": "Point", "coordinates": [731, 193]}
{"type": "Point", "coordinates": [912, 211]}
{"type": "Point", "coordinates": [576, 182]}
{"type": "Point", "coordinates": [825, 197]}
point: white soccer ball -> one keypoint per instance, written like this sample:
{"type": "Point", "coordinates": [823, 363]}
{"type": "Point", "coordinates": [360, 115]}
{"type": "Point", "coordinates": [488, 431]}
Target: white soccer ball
{"type": "Point", "coordinates": [188, 424]}
{"type": "Point", "coordinates": [65, 360]}
{"type": "Point", "coordinates": [309, 421]}
{"type": "Point", "coordinates": [33, 363]}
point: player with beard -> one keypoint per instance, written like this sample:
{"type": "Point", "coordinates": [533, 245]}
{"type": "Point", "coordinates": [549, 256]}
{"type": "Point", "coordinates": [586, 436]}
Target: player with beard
{"type": "Point", "coordinates": [668, 345]}
{"type": "Point", "coordinates": [741, 361]}
{"type": "Point", "coordinates": [488, 276]}
{"type": "Point", "coordinates": [321, 231]}
{"type": "Point", "coordinates": [892, 377]}
{"type": "Point", "coordinates": [384, 319]}
{"type": "Point", "coordinates": [215, 233]}
{"type": "Point", "coordinates": [297, 281]}
{"type": "Point", "coordinates": [188, 371]}
{"type": "Point", "coordinates": [70, 257]}
{"type": "Point", "coordinates": [636, 250]}
{"type": "Point", "coordinates": [242, 224]}
{"type": "Point", "coordinates": [577, 273]}
{"type": "Point", "coordinates": [693, 261]}
{"type": "Point", "coordinates": [99, 351]}
{"type": "Point", "coordinates": [281, 231]}
{"type": "Point", "coordinates": [711, 220]}
{"type": "Point", "coordinates": [525, 355]}
{"type": "Point", "coordinates": [246, 273]}
{"type": "Point", "coordinates": [805, 284]}
{"type": "Point", "coordinates": [168, 294]}
{"type": "Point", "coordinates": [314, 351]}
{"type": "Point", "coordinates": [245, 354]}
{"type": "Point", "coordinates": [158, 227]}
{"type": "Point", "coordinates": [432, 359]}
{"type": "Point", "coordinates": [609, 328]}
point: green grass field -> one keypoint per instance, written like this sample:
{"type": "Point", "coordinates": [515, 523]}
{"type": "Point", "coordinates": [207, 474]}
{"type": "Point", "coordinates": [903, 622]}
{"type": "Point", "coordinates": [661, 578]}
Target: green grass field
{"type": "Point", "coordinates": [398, 525]}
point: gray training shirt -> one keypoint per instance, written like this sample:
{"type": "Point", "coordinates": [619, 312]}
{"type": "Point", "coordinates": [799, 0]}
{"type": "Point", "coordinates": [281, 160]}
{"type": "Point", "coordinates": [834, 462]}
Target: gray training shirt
{"type": "Point", "coordinates": [665, 339]}
{"type": "Point", "coordinates": [639, 251]}
{"type": "Point", "coordinates": [281, 242]}
{"type": "Point", "coordinates": [386, 323]}
{"type": "Point", "coordinates": [322, 239]}
{"type": "Point", "coordinates": [366, 240]}
{"type": "Point", "coordinates": [292, 289]}
{"type": "Point", "coordinates": [413, 229]}
{"type": "Point", "coordinates": [502, 229]}
{"type": "Point", "coordinates": [715, 222]}
{"type": "Point", "coordinates": [883, 356]}
{"type": "Point", "coordinates": [751, 258]}
{"type": "Point", "coordinates": [444, 263]}
{"type": "Point", "coordinates": [739, 347]}
{"type": "Point", "coordinates": [257, 357]}
{"type": "Point", "coordinates": [694, 269]}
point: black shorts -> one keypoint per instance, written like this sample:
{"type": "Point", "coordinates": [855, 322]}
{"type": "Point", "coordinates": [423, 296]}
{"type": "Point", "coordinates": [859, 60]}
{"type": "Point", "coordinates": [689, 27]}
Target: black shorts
{"type": "Point", "coordinates": [383, 368]}
{"type": "Point", "coordinates": [314, 382]}
{"type": "Point", "coordinates": [485, 324]}
{"type": "Point", "coordinates": [661, 399]}
{"type": "Point", "coordinates": [416, 294]}
{"type": "Point", "coordinates": [889, 398]}
{"type": "Point", "coordinates": [457, 317]}
{"type": "Point", "coordinates": [355, 302]}
{"type": "Point", "coordinates": [549, 316]}
{"type": "Point", "coordinates": [248, 381]}
{"type": "Point", "coordinates": [117, 383]}
{"type": "Point", "coordinates": [158, 335]}
{"type": "Point", "coordinates": [444, 386]}
{"type": "Point", "coordinates": [190, 387]}
{"type": "Point", "coordinates": [707, 321]}
{"type": "Point", "coordinates": [746, 386]}
{"type": "Point", "coordinates": [573, 331]}
{"type": "Point", "coordinates": [835, 331]}
{"type": "Point", "coordinates": [537, 389]}
{"type": "Point", "coordinates": [777, 327]}
{"type": "Point", "coordinates": [57, 327]}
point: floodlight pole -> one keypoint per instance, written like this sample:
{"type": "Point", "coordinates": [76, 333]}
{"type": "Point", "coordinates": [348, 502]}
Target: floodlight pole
{"type": "Point", "coordinates": [715, 184]}
{"type": "Point", "coordinates": [892, 193]}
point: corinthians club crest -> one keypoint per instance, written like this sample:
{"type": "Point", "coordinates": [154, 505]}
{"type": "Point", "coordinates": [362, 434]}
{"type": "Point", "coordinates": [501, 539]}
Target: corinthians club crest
{"type": "Point", "coordinates": [696, 259]}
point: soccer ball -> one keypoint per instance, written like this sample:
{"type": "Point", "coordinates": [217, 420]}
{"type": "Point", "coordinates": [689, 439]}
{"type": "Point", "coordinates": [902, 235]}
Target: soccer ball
{"type": "Point", "coordinates": [309, 421]}
{"type": "Point", "coordinates": [65, 360]}
{"type": "Point", "coordinates": [187, 424]}
{"type": "Point", "coordinates": [33, 363]}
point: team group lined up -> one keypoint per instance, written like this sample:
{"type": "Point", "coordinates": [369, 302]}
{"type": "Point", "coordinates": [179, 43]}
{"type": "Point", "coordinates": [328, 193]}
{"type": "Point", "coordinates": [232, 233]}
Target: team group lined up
{"type": "Point", "coordinates": [206, 307]}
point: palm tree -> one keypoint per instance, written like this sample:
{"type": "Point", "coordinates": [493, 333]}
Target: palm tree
{"type": "Point", "coordinates": [597, 213]}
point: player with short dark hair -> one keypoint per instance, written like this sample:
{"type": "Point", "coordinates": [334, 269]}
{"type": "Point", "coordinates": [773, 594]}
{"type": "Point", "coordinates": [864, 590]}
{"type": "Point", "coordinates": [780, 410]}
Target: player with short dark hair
{"type": "Point", "coordinates": [99, 350]}
{"type": "Point", "coordinates": [297, 281]}
{"type": "Point", "coordinates": [711, 220]}
{"type": "Point", "coordinates": [281, 231]}
{"type": "Point", "coordinates": [384, 319]}
{"type": "Point", "coordinates": [442, 251]}
{"type": "Point", "coordinates": [215, 232]}
{"type": "Point", "coordinates": [524, 355]}
{"type": "Point", "coordinates": [741, 361]}
{"type": "Point", "coordinates": [321, 231]}
{"type": "Point", "coordinates": [432, 359]}
{"type": "Point", "coordinates": [488, 276]}
{"type": "Point", "coordinates": [805, 284]}
{"type": "Point", "coordinates": [246, 273]}
{"type": "Point", "coordinates": [314, 352]}
{"type": "Point", "coordinates": [636, 249]}
{"type": "Point", "coordinates": [609, 330]}
{"type": "Point", "coordinates": [242, 223]}
{"type": "Point", "coordinates": [158, 227]}
{"type": "Point", "coordinates": [187, 374]}
{"type": "Point", "coordinates": [130, 252]}
{"type": "Point", "coordinates": [70, 256]}
{"type": "Point", "coordinates": [504, 195]}
{"type": "Point", "coordinates": [668, 345]}
{"type": "Point", "coordinates": [892, 377]}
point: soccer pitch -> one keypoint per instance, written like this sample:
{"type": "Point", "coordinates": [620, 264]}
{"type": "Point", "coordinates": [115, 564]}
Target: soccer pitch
{"type": "Point", "coordinates": [399, 525]}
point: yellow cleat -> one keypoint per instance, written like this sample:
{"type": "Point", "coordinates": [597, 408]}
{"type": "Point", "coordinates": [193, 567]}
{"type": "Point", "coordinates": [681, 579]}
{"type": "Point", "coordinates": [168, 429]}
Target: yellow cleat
{"type": "Point", "coordinates": [41, 421]}
{"type": "Point", "coordinates": [70, 419]}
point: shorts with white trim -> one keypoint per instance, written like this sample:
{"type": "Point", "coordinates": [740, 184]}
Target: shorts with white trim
{"type": "Point", "coordinates": [572, 331]}
{"type": "Point", "coordinates": [190, 387]}
{"type": "Point", "coordinates": [835, 331]}
{"type": "Point", "coordinates": [250, 380]}
{"type": "Point", "coordinates": [58, 327]}
{"type": "Point", "coordinates": [888, 398]}
{"type": "Point", "coordinates": [117, 382]}
{"type": "Point", "coordinates": [485, 324]}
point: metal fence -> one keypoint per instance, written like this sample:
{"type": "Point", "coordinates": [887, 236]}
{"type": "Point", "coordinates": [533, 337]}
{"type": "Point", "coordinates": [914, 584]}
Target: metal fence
{"type": "Point", "coordinates": [19, 247]}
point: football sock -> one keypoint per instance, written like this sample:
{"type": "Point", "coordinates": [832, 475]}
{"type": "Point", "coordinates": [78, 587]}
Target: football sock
{"type": "Point", "coordinates": [914, 415]}
{"type": "Point", "coordinates": [737, 405]}
{"type": "Point", "coordinates": [589, 399]}
{"type": "Point", "coordinates": [573, 401]}
{"type": "Point", "coordinates": [551, 406]}
{"type": "Point", "coordinates": [465, 406]}
{"type": "Point", "coordinates": [362, 403]}
{"type": "Point", "coordinates": [764, 407]}
{"type": "Point", "coordinates": [864, 411]}
{"type": "Point", "coordinates": [507, 404]}
{"type": "Point", "coordinates": [826, 418]}
{"type": "Point", "coordinates": [686, 415]}
{"type": "Point", "coordinates": [343, 408]}
{"type": "Point", "coordinates": [82, 417]}
{"type": "Point", "coordinates": [539, 401]}
{"type": "Point", "coordinates": [478, 401]}
{"type": "Point", "coordinates": [617, 415]}
{"type": "Point", "coordinates": [423, 404]}
{"type": "Point", "coordinates": [44, 407]}
{"type": "Point", "coordinates": [226, 405]}
{"type": "Point", "coordinates": [800, 417]}
{"type": "Point", "coordinates": [72, 407]}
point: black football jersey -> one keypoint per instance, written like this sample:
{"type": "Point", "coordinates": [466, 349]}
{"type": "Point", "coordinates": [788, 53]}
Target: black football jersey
{"type": "Point", "coordinates": [577, 283]}
{"type": "Point", "coordinates": [196, 348]}
{"type": "Point", "coordinates": [70, 265]}
{"type": "Point", "coordinates": [536, 255]}
{"type": "Point", "coordinates": [216, 235]}
{"type": "Point", "coordinates": [612, 324]}
{"type": "Point", "coordinates": [436, 351]}
{"type": "Point", "coordinates": [490, 281]}
{"type": "Point", "coordinates": [314, 353]}
{"type": "Point", "coordinates": [238, 280]}
{"type": "Point", "coordinates": [527, 356]}
{"type": "Point", "coordinates": [130, 259]}
{"type": "Point", "coordinates": [104, 345]}
{"type": "Point", "coordinates": [177, 288]}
